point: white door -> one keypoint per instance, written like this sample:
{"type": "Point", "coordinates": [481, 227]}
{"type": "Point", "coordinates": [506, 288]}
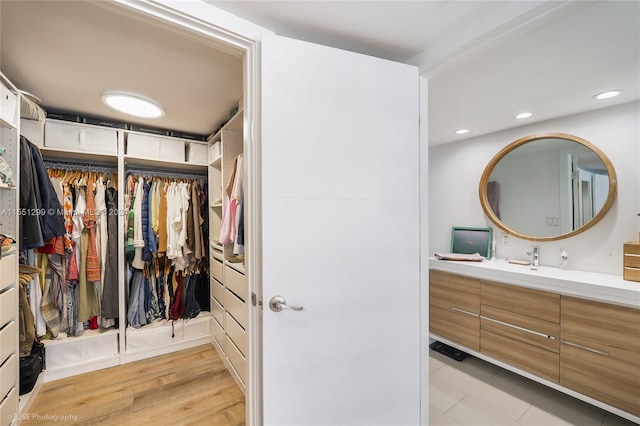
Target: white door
{"type": "Point", "coordinates": [340, 218]}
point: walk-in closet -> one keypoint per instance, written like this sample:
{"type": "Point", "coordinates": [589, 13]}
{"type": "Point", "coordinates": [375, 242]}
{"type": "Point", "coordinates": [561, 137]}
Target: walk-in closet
{"type": "Point", "coordinates": [129, 232]}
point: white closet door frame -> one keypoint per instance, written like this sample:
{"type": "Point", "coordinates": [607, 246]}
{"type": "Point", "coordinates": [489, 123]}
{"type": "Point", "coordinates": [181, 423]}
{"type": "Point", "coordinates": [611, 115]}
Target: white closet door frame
{"type": "Point", "coordinates": [236, 36]}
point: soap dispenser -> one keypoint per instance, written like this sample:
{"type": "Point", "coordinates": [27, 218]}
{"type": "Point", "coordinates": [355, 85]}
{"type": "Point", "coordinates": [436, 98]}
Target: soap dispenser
{"type": "Point", "coordinates": [564, 260]}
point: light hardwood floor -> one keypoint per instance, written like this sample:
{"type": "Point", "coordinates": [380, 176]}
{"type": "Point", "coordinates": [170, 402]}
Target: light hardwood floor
{"type": "Point", "coordinates": [182, 388]}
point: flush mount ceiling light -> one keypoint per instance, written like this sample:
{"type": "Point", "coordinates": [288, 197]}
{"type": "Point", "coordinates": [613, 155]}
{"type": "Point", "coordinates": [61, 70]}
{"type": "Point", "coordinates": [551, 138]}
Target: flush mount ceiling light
{"type": "Point", "coordinates": [607, 95]}
{"type": "Point", "coordinates": [462, 131]}
{"type": "Point", "coordinates": [133, 104]}
{"type": "Point", "coordinates": [524, 115]}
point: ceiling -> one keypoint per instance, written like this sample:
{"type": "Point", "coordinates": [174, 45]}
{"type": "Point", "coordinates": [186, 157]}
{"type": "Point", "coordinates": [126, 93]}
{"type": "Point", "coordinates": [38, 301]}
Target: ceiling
{"type": "Point", "coordinates": [485, 60]}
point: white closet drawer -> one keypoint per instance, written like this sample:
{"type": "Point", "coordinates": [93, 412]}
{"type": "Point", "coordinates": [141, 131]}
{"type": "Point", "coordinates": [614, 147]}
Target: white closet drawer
{"type": "Point", "coordinates": [237, 360]}
{"type": "Point", "coordinates": [79, 137]}
{"type": "Point", "coordinates": [218, 311]}
{"type": "Point", "coordinates": [197, 153]}
{"type": "Point", "coordinates": [8, 376]}
{"type": "Point", "coordinates": [99, 141]}
{"type": "Point", "coordinates": [235, 282]}
{"type": "Point", "coordinates": [9, 407]}
{"type": "Point", "coordinates": [157, 334]}
{"type": "Point", "coordinates": [237, 334]}
{"type": "Point", "coordinates": [61, 135]}
{"type": "Point", "coordinates": [216, 268]}
{"type": "Point", "coordinates": [33, 131]}
{"type": "Point", "coordinates": [217, 289]}
{"type": "Point", "coordinates": [197, 327]}
{"type": "Point", "coordinates": [8, 306]}
{"type": "Point", "coordinates": [61, 354]}
{"type": "Point", "coordinates": [8, 340]}
{"type": "Point", "coordinates": [149, 146]}
{"type": "Point", "coordinates": [218, 333]}
{"type": "Point", "coordinates": [7, 271]}
{"type": "Point", "coordinates": [237, 308]}
{"type": "Point", "coordinates": [8, 105]}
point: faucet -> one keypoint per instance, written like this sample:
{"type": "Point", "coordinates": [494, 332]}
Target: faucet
{"type": "Point", "coordinates": [535, 254]}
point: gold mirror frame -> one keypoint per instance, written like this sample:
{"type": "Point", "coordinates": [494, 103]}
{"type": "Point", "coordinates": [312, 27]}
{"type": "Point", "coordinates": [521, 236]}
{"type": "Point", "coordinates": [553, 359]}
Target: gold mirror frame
{"type": "Point", "coordinates": [611, 196]}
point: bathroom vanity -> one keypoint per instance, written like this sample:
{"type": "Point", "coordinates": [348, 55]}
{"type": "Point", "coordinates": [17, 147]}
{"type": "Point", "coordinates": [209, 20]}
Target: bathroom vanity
{"type": "Point", "coordinates": [575, 331]}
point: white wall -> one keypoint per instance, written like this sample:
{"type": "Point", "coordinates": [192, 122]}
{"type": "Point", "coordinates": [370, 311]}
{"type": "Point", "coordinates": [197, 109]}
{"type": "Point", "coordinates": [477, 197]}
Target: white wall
{"type": "Point", "coordinates": [455, 170]}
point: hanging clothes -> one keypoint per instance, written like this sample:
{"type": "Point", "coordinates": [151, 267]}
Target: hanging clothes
{"type": "Point", "coordinates": [30, 226]}
{"type": "Point", "coordinates": [138, 240]}
{"type": "Point", "coordinates": [101, 226]}
{"type": "Point", "coordinates": [167, 234]}
{"type": "Point", "coordinates": [89, 218]}
{"type": "Point", "coordinates": [110, 298]}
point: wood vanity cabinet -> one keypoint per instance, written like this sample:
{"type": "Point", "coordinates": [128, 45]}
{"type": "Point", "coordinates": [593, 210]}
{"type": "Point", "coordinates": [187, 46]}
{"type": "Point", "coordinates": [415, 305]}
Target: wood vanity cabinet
{"type": "Point", "coordinates": [521, 326]}
{"type": "Point", "coordinates": [600, 352]}
{"type": "Point", "coordinates": [454, 308]}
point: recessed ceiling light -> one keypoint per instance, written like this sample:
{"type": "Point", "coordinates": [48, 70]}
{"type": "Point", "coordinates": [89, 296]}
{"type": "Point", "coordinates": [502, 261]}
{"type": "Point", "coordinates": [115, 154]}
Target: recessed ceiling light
{"type": "Point", "coordinates": [133, 104]}
{"type": "Point", "coordinates": [462, 131]}
{"type": "Point", "coordinates": [607, 95]}
{"type": "Point", "coordinates": [524, 115]}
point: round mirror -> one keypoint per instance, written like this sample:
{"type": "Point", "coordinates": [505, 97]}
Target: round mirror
{"type": "Point", "coordinates": [547, 187]}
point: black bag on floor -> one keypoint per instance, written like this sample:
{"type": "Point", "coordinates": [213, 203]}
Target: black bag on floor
{"type": "Point", "coordinates": [31, 366]}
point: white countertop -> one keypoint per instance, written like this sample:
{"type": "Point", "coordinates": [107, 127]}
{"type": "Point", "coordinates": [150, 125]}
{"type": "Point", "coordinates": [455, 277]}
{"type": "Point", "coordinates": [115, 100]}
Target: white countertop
{"type": "Point", "coordinates": [588, 285]}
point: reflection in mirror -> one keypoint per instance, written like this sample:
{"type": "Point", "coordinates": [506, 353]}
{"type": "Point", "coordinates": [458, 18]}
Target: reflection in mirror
{"type": "Point", "coordinates": [547, 187]}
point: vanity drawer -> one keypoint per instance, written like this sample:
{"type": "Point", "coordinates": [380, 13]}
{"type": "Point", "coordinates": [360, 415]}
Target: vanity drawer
{"type": "Point", "coordinates": [602, 326]}
{"type": "Point", "coordinates": [235, 282]}
{"type": "Point", "coordinates": [450, 290]}
{"type": "Point", "coordinates": [540, 362]}
{"type": "Point", "coordinates": [524, 301]}
{"type": "Point", "coordinates": [454, 308]}
{"type": "Point", "coordinates": [532, 331]}
{"type": "Point", "coordinates": [8, 340]}
{"type": "Point", "coordinates": [8, 306]}
{"type": "Point", "coordinates": [455, 326]}
{"type": "Point", "coordinates": [601, 376]}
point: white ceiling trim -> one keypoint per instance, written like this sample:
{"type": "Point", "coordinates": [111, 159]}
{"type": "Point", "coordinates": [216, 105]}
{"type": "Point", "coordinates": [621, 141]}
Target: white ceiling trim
{"type": "Point", "coordinates": [513, 16]}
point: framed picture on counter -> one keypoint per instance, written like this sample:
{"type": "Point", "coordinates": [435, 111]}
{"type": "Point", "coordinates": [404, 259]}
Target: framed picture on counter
{"type": "Point", "coordinates": [470, 240]}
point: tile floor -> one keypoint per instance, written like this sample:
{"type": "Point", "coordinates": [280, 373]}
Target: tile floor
{"type": "Point", "coordinates": [476, 393]}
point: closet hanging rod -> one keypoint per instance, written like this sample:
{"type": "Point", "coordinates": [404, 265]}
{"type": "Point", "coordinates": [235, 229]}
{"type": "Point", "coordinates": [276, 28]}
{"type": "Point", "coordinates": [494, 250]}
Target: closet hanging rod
{"type": "Point", "coordinates": [176, 174]}
{"type": "Point", "coordinates": [77, 166]}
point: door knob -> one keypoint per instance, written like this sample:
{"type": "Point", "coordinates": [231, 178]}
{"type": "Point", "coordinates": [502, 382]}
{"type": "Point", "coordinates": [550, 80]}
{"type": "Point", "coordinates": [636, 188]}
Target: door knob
{"type": "Point", "coordinates": [278, 304]}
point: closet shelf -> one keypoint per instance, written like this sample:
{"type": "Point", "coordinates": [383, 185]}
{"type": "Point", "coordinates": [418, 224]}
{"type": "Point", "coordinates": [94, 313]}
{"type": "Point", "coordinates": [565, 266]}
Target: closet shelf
{"type": "Point", "coordinates": [6, 186]}
{"type": "Point", "coordinates": [216, 206]}
{"type": "Point", "coordinates": [132, 161]}
{"type": "Point", "coordinates": [216, 161]}
{"type": "Point", "coordinates": [87, 335]}
{"type": "Point", "coordinates": [6, 124]}
{"type": "Point", "coordinates": [75, 156]}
